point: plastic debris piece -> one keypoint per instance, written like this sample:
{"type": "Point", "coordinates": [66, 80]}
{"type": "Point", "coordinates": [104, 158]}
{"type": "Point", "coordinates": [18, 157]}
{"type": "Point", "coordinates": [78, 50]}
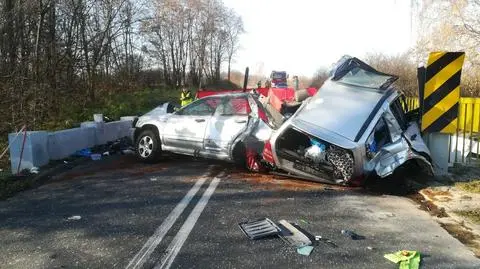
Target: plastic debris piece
{"type": "Point", "coordinates": [325, 240]}
{"type": "Point", "coordinates": [96, 157]}
{"type": "Point", "coordinates": [292, 235]}
{"type": "Point", "coordinates": [304, 221]}
{"type": "Point", "coordinates": [370, 248]}
{"type": "Point", "coordinates": [84, 153]}
{"type": "Point", "coordinates": [128, 152]}
{"type": "Point", "coordinates": [306, 250]}
{"type": "Point", "coordinates": [106, 153]}
{"type": "Point", "coordinates": [74, 218]}
{"type": "Point", "coordinates": [408, 259]}
{"type": "Point", "coordinates": [352, 235]}
{"type": "Point", "coordinates": [65, 162]}
{"type": "Point", "coordinates": [34, 170]}
{"type": "Point", "coordinates": [153, 178]}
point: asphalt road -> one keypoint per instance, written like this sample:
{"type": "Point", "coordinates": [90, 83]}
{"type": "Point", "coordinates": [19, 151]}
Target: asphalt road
{"type": "Point", "coordinates": [183, 213]}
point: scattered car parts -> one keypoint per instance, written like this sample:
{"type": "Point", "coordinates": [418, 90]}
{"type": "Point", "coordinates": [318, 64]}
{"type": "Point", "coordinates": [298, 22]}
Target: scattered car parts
{"type": "Point", "coordinates": [259, 228]}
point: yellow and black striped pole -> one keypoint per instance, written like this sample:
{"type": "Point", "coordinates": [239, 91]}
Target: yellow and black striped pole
{"type": "Point", "coordinates": [442, 92]}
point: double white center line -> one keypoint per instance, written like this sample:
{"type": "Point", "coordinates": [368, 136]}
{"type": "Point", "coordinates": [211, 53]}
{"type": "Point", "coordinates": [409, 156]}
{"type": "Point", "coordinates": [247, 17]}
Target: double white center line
{"type": "Point", "coordinates": [174, 248]}
{"type": "Point", "coordinates": [187, 227]}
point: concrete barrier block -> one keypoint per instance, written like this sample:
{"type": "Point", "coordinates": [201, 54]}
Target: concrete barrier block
{"type": "Point", "coordinates": [112, 131]}
{"type": "Point", "coordinates": [62, 144]}
{"type": "Point", "coordinates": [41, 147]}
{"type": "Point", "coordinates": [35, 153]}
{"type": "Point", "coordinates": [130, 118]}
{"type": "Point", "coordinates": [88, 124]}
{"type": "Point", "coordinates": [439, 151]}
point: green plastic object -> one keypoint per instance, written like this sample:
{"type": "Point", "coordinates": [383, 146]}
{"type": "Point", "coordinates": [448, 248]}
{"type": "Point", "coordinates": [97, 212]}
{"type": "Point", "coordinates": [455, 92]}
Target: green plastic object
{"type": "Point", "coordinates": [408, 259]}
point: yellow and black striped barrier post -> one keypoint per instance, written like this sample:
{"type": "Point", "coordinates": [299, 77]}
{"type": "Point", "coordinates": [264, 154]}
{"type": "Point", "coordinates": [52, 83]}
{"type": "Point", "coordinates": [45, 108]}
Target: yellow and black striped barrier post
{"type": "Point", "coordinates": [440, 103]}
{"type": "Point", "coordinates": [442, 92]}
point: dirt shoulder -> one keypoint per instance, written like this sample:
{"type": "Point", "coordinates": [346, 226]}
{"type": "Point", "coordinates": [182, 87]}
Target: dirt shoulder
{"type": "Point", "coordinates": [460, 212]}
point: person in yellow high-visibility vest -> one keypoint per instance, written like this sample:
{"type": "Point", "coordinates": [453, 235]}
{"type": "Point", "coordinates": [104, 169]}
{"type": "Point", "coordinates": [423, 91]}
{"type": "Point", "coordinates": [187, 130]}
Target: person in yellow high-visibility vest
{"type": "Point", "coordinates": [185, 97]}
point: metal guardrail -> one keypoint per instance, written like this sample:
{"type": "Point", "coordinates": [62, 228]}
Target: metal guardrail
{"type": "Point", "coordinates": [465, 143]}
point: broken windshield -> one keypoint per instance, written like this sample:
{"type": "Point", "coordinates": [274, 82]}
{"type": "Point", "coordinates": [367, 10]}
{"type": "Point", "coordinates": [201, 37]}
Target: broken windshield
{"type": "Point", "coordinates": [352, 71]}
{"type": "Point", "coordinates": [363, 78]}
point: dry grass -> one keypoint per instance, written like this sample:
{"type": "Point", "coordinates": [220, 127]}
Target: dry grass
{"type": "Point", "coordinates": [472, 186]}
{"type": "Point", "coordinates": [473, 215]}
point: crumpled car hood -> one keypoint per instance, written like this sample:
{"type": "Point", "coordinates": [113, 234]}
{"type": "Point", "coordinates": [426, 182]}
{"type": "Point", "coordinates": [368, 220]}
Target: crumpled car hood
{"type": "Point", "coordinates": [160, 113]}
{"type": "Point", "coordinates": [159, 110]}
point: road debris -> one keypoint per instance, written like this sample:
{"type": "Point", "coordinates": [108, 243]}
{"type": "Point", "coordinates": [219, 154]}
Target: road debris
{"type": "Point", "coordinates": [306, 250]}
{"type": "Point", "coordinates": [74, 218]}
{"type": "Point", "coordinates": [83, 153]}
{"type": "Point", "coordinates": [327, 241]}
{"type": "Point", "coordinates": [292, 235]}
{"type": "Point", "coordinates": [304, 221]}
{"type": "Point", "coordinates": [352, 235]}
{"type": "Point", "coordinates": [128, 152]}
{"type": "Point", "coordinates": [259, 228]}
{"type": "Point", "coordinates": [289, 232]}
{"type": "Point", "coordinates": [96, 157]}
{"type": "Point", "coordinates": [34, 170]}
{"type": "Point", "coordinates": [408, 259]}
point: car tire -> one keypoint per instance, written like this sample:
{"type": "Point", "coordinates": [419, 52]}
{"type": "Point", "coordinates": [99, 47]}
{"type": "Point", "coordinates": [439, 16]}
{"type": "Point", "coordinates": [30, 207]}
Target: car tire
{"type": "Point", "coordinates": [148, 146]}
{"type": "Point", "coordinates": [239, 157]}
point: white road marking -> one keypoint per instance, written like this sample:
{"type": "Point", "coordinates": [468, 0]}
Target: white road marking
{"type": "Point", "coordinates": [174, 248]}
{"type": "Point", "coordinates": [141, 257]}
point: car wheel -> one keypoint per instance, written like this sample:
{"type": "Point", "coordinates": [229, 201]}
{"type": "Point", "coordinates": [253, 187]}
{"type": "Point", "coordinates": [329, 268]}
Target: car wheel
{"type": "Point", "coordinates": [239, 156]}
{"type": "Point", "coordinates": [148, 146]}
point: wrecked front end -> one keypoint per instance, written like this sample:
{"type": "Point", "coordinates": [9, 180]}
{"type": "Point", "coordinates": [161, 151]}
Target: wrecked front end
{"type": "Point", "coordinates": [310, 152]}
{"type": "Point", "coordinates": [354, 127]}
{"type": "Point", "coordinates": [296, 150]}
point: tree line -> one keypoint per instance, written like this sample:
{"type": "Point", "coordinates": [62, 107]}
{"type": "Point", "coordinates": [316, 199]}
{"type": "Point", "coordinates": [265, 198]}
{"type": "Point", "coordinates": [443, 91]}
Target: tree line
{"type": "Point", "coordinates": [55, 54]}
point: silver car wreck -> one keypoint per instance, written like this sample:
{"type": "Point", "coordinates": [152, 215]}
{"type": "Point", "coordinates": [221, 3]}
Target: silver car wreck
{"type": "Point", "coordinates": [354, 127]}
{"type": "Point", "coordinates": [224, 127]}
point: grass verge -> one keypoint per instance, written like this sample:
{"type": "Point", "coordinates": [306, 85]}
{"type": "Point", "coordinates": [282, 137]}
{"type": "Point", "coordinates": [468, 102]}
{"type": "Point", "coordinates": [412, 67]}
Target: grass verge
{"type": "Point", "coordinates": [472, 186]}
{"type": "Point", "coordinates": [9, 185]}
{"type": "Point", "coordinates": [473, 215]}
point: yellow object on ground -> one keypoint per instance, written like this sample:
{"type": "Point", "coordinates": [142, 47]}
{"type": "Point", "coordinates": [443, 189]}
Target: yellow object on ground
{"type": "Point", "coordinates": [185, 98]}
{"type": "Point", "coordinates": [408, 259]}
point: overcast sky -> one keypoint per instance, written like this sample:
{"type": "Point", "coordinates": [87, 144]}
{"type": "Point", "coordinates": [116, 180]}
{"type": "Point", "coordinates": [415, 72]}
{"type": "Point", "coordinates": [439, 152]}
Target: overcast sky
{"type": "Point", "coordinates": [302, 35]}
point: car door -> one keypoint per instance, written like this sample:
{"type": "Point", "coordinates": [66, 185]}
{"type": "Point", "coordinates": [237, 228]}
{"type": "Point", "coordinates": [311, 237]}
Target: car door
{"type": "Point", "coordinates": [185, 129]}
{"type": "Point", "coordinates": [387, 146]}
{"type": "Point", "coordinates": [229, 120]}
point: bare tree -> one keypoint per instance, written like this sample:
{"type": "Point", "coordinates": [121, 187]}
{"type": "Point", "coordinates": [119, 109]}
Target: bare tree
{"type": "Point", "coordinates": [191, 39]}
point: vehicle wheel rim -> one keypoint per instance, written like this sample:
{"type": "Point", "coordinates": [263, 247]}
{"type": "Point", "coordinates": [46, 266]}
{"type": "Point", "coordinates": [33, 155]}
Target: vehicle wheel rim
{"type": "Point", "coordinates": [145, 146]}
